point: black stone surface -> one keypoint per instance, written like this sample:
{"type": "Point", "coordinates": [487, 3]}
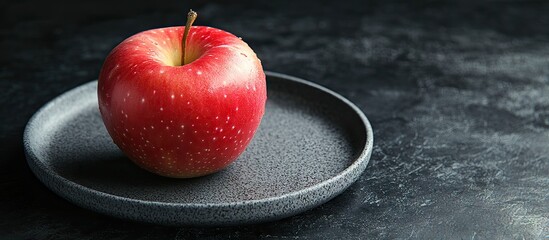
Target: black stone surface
{"type": "Point", "coordinates": [457, 92]}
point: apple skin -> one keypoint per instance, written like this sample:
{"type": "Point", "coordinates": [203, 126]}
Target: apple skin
{"type": "Point", "coordinates": [182, 121]}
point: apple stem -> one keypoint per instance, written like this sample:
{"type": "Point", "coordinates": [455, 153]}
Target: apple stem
{"type": "Point", "coordinates": [191, 16]}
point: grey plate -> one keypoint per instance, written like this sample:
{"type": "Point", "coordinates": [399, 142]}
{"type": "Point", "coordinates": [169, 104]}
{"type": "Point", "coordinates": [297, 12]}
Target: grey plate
{"type": "Point", "coordinates": [312, 144]}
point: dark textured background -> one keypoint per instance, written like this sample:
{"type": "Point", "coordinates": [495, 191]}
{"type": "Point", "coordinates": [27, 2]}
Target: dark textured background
{"type": "Point", "coordinates": [458, 95]}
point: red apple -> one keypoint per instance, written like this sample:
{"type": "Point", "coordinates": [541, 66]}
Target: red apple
{"type": "Point", "coordinates": [182, 120]}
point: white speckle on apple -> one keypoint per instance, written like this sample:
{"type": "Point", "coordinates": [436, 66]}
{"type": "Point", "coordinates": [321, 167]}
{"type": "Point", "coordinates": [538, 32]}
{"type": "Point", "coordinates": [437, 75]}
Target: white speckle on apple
{"type": "Point", "coordinates": [164, 42]}
{"type": "Point", "coordinates": [161, 71]}
{"type": "Point", "coordinates": [238, 131]}
{"type": "Point", "coordinates": [167, 128]}
{"type": "Point", "coordinates": [197, 118]}
{"type": "Point", "coordinates": [161, 109]}
{"type": "Point", "coordinates": [154, 91]}
{"type": "Point", "coordinates": [152, 127]}
{"type": "Point", "coordinates": [199, 72]}
{"type": "Point", "coordinates": [173, 96]}
{"type": "Point", "coordinates": [142, 100]}
{"type": "Point", "coordinates": [188, 103]}
{"type": "Point", "coordinates": [134, 72]}
{"type": "Point", "coordinates": [225, 95]}
{"type": "Point", "coordinates": [180, 95]}
{"type": "Point", "coordinates": [216, 58]}
{"type": "Point", "coordinates": [182, 126]}
{"type": "Point", "coordinates": [214, 138]}
{"type": "Point", "coordinates": [195, 131]}
{"type": "Point", "coordinates": [216, 117]}
{"type": "Point", "coordinates": [232, 127]}
{"type": "Point", "coordinates": [221, 130]}
{"type": "Point", "coordinates": [236, 108]}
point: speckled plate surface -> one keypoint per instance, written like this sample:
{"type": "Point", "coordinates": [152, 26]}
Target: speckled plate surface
{"type": "Point", "coordinates": [312, 144]}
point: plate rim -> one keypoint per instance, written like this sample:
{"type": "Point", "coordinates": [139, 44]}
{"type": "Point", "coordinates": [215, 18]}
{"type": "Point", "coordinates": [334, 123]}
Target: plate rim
{"type": "Point", "coordinates": [359, 161]}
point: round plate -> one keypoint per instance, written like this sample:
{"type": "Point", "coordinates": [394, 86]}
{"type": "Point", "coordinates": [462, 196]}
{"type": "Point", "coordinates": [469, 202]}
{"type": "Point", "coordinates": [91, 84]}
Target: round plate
{"type": "Point", "coordinates": [311, 145]}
